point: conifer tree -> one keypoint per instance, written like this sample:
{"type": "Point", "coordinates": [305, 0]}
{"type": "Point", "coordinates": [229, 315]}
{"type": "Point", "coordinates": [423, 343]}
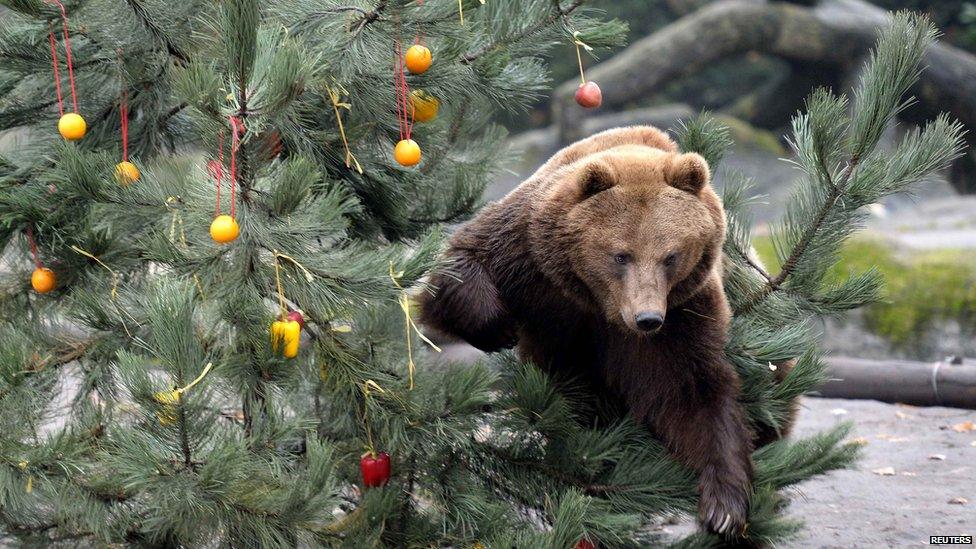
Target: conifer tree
{"type": "Point", "coordinates": [192, 419]}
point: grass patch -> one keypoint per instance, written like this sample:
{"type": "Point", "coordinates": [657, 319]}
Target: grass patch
{"type": "Point", "coordinates": [923, 292]}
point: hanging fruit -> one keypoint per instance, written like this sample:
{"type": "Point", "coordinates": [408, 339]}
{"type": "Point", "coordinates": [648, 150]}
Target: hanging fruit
{"type": "Point", "coordinates": [424, 105]}
{"type": "Point", "coordinates": [418, 59]}
{"type": "Point", "coordinates": [43, 280]}
{"type": "Point", "coordinates": [589, 95]}
{"type": "Point", "coordinates": [375, 468]}
{"type": "Point", "coordinates": [224, 229]}
{"type": "Point", "coordinates": [126, 173]}
{"type": "Point", "coordinates": [72, 126]}
{"type": "Point", "coordinates": [286, 334]}
{"type": "Point", "coordinates": [585, 544]}
{"type": "Point", "coordinates": [407, 153]}
{"type": "Point", "coordinates": [297, 317]}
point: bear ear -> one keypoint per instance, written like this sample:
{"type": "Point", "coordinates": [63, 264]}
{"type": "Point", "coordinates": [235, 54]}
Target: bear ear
{"type": "Point", "coordinates": [594, 178]}
{"type": "Point", "coordinates": [688, 172]}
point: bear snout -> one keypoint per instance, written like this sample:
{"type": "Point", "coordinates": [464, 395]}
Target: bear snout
{"type": "Point", "coordinates": [649, 321]}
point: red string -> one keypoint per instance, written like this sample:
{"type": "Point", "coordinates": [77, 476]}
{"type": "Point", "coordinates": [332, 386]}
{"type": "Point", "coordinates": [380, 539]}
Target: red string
{"type": "Point", "coordinates": [216, 168]}
{"type": "Point", "coordinates": [125, 125]}
{"type": "Point", "coordinates": [33, 246]}
{"type": "Point", "coordinates": [67, 50]}
{"type": "Point", "coordinates": [57, 73]}
{"type": "Point", "coordinates": [237, 128]}
{"type": "Point", "coordinates": [404, 114]}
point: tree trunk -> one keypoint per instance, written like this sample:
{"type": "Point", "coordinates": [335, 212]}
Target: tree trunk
{"type": "Point", "coordinates": [917, 383]}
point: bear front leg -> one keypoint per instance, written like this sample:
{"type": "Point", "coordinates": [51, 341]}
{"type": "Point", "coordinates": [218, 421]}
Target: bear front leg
{"type": "Point", "coordinates": [709, 434]}
{"type": "Point", "coordinates": [725, 482]}
{"type": "Point", "coordinates": [466, 304]}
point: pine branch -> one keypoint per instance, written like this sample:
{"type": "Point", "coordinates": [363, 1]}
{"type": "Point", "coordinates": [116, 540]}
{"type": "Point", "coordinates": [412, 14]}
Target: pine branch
{"type": "Point", "coordinates": [141, 14]}
{"type": "Point", "coordinates": [556, 15]}
{"type": "Point", "coordinates": [789, 266]}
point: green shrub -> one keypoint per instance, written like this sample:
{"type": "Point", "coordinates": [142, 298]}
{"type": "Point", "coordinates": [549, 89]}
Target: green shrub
{"type": "Point", "coordinates": [924, 291]}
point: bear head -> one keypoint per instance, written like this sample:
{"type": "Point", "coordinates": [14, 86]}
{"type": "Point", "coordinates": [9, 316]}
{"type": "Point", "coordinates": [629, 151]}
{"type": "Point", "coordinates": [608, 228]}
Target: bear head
{"type": "Point", "coordinates": [629, 232]}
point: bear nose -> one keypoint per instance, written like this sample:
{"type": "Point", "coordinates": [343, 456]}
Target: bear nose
{"type": "Point", "coordinates": [649, 321]}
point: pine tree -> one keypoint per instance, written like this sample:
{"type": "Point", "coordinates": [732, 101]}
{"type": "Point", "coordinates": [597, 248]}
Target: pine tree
{"type": "Point", "coordinates": [186, 424]}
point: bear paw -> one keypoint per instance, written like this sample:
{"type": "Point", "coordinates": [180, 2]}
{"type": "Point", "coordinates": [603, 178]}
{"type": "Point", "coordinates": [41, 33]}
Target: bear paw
{"type": "Point", "coordinates": [723, 510]}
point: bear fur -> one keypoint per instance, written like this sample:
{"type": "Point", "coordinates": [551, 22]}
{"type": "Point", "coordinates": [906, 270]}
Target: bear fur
{"type": "Point", "coordinates": [605, 267]}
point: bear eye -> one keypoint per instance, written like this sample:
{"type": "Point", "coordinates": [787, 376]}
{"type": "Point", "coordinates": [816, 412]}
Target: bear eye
{"type": "Point", "coordinates": [622, 258]}
{"type": "Point", "coordinates": [671, 259]}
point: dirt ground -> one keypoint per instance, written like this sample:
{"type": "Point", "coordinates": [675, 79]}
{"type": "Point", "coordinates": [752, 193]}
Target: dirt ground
{"type": "Point", "coordinates": [915, 474]}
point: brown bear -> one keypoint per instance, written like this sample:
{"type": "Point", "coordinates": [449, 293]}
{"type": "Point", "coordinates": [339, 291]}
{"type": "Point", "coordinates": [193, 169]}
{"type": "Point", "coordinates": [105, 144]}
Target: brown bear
{"type": "Point", "coordinates": [605, 266]}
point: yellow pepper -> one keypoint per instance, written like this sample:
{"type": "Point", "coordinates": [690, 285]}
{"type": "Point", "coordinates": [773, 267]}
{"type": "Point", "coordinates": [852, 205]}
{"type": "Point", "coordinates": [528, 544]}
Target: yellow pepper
{"type": "Point", "coordinates": [285, 337]}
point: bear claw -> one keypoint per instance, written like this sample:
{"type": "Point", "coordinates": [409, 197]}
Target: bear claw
{"type": "Point", "coordinates": [726, 518]}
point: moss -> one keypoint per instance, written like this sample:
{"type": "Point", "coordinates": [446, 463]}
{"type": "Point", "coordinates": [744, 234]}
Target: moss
{"type": "Point", "coordinates": [923, 292]}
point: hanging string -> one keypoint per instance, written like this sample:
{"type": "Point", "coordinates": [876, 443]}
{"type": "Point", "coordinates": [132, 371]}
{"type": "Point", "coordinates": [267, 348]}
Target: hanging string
{"type": "Point", "coordinates": [237, 128]}
{"type": "Point", "coordinates": [580, 46]}
{"type": "Point", "coordinates": [115, 275]}
{"type": "Point", "coordinates": [67, 52]}
{"type": "Point", "coordinates": [409, 324]}
{"type": "Point", "coordinates": [216, 168]}
{"type": "Point", "coordinates": [124, 109]}
{"type": "Point", "coordinates": [404, 113]}
{"type": "Point", "coordinates": [57, 72]}
{"type": "Point", "coordinates": [337, 103]}
{"type": "Point", "coordinates": [33, 246]}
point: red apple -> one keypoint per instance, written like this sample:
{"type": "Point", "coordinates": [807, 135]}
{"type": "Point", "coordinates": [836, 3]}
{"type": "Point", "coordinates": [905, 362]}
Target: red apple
{"type": "Point", "coordinates": [297, 317]}
{"type": "Point", "coordinates": [585, 544]}
{"type": "Point", "coordinates": [589, 95]}
{"type": "Point", "coordinates": [375, 469]}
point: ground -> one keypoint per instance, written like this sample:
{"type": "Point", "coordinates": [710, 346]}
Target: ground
{"type": "Point", "coordinates": [915, 474]}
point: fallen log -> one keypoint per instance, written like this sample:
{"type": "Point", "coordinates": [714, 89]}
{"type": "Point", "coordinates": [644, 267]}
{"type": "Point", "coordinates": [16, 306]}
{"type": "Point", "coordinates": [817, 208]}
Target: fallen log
{"type": "Point", "coordinates": [834, 33]}
{"type": "Point", "coordinates": [901, 381]}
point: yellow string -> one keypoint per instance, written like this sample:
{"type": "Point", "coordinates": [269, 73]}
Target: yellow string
{"type": "Point", "coordinates": [409, 324]}
{"type": "Point", "coordinates": [579, 55]}
{"type": "Point", "coordinates": [178, 221]}
{"type": "Point", "coordinates": [337, 104]}
{"type": "Point", "coordinates": [281, 291]}
{"type": "Point", "coordinates": [367, 386]}
{"type": "Point", "coordinates": [115, 275]}
{"type": "Point", "coordinates": [308, 274]}
{"type": "Point", "coordinates": [203, 374]}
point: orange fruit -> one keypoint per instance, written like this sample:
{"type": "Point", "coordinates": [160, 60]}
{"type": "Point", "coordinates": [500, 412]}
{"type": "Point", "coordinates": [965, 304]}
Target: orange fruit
{"type": "Point", "coordinates": [72, 126]}
{"type": "Point", "coordinates": [126, 173]}
{"type": "Point", "coordinates": [418, 59]}
{"type": "Point", "coordinates": [224, 229]}
{"type": "Point", "coordinates": [43, 280]}
{"type": "Point", "coordinates": [407, 153]}
{"type": "Point", "coordinates": [425, 106]}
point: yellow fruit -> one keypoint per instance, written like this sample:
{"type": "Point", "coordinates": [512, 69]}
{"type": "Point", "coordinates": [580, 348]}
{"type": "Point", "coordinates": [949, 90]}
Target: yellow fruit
{"type": "Point", "coordinates": [126, 173]}
{"type": "Point", "coordinates": [407, 153]}
{"type": "Point", "coordinates": [72, 126]}
{"type": "Point", "coordinates": [425, 106]}
{"type": "Point", "coordinates": [43, 280]}
{"type": "Point", "coordinates": [285, 337]}
{"type": "Point", "coordinates": [224, 229]}
{"type": "Point", "coordinates": [418, 59]}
